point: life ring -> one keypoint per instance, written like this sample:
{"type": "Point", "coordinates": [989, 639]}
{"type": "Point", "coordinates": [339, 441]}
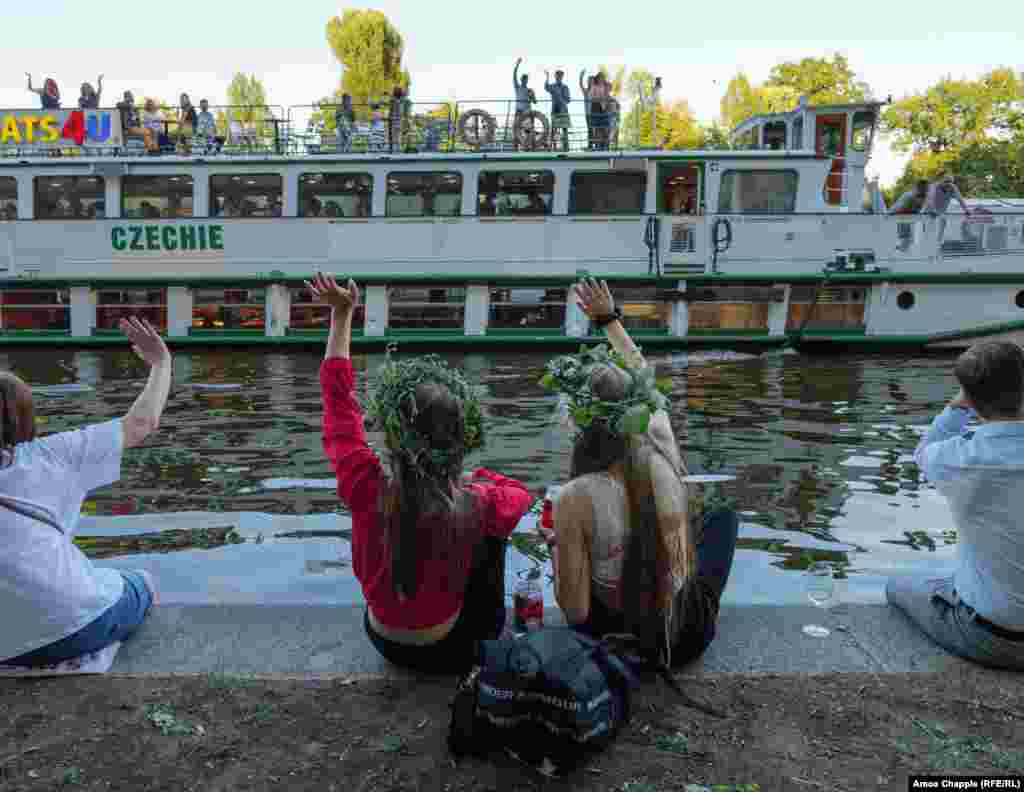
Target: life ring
{"type": "Point", "coordinates": [477, 127]}
{"type": "Point", "coordinates": [526, 131]}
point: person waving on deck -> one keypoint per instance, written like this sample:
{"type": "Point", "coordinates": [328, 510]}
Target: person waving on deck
{"type": "Point", "coordinates": [57, 606]}
{"type": "Point", "coordinates": [627, 556]}
{"type": "Point", "coordinates": [978, 612]}
{"type": "Point", "coordinates": [428, 546]}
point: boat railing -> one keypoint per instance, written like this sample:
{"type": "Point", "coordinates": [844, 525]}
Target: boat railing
{"type": "Point", "coordinates": [490, 125]}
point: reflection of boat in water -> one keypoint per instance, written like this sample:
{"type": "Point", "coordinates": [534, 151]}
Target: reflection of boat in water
{"type": "Point", "coordinates": [780, 240]}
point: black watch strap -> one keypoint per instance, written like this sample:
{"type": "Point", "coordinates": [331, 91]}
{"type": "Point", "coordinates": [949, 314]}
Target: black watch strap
{"type": "Point", "coordinates": [606, 320]}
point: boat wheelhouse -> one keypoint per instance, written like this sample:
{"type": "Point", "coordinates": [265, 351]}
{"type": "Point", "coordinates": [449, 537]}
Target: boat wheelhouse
{"type": "Point", "coordinates": [777, 240]}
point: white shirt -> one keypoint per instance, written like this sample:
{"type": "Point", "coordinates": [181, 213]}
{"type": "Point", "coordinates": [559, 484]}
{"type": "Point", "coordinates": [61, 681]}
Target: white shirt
{"type": "Point", "coordinates": [983, 478]}
{"type": "Point", "coordinates": [48, 588]}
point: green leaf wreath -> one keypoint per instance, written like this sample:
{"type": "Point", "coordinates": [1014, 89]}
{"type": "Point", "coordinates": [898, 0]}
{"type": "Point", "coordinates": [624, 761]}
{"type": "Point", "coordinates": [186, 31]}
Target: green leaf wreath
{"type": "Point", "coordinates": [570, 375]}
{"type": "Point", "coordinates": [396, 388]}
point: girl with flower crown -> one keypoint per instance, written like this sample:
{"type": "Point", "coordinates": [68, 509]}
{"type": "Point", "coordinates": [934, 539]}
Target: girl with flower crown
{"type": "Point", "coordinates": [428, 545]}
{"type": "Point", "coordinates": [628, 558]}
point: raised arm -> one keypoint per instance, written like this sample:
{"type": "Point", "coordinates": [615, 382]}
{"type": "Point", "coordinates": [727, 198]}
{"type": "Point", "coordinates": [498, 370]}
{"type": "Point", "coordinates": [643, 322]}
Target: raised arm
{"type": "Point", "coordinates": [515, 77]}
{"type": "Point", "coordinates": [33, 90]}
{"type": "Point", "coordinates": [99, 88]}
{"type": "Point", "coordinates": [595, 299]}
{"type": "Point", "coordinates": [343, 304]}
{"type": "Point", "coordinates": [583, 84]}
{"type": "Point", "coordinates": [143, 418]}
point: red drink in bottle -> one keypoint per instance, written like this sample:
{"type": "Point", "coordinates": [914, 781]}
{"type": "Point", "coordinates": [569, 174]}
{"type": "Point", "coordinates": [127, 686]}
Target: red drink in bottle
{"type": "Point", "coordinates": [528, 602]}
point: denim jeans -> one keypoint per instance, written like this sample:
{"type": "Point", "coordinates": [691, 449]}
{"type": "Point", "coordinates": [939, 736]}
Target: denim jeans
{"type": "Point", "coordinates": [933, 605]}
{"type": "Point", "coordinates": [114, 625]}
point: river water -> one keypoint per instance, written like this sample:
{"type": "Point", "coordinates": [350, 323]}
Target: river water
{"type": "Point", "coordinates": [820, 445]}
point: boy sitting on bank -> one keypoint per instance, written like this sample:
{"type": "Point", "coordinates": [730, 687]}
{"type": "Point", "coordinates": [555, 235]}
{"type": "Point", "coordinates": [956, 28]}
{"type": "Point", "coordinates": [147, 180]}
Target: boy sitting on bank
{"type": "Point", "coordinates": [978, 613]}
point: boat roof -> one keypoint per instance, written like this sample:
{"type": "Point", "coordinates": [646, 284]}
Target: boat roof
{"type": "Point", "coordinates": [758, 120]}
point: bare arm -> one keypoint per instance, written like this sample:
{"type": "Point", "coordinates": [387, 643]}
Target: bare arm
{"type": "Point", "coordinates": [33, 90]}
{"type": "Point", "coordinates": [143, 418]}
{"type": "Point", "coordinates": [343, 303]}
{"type": "Point", "coordinates": [596, 301]}
{"type": "Point", "coordinates": [515, 76]}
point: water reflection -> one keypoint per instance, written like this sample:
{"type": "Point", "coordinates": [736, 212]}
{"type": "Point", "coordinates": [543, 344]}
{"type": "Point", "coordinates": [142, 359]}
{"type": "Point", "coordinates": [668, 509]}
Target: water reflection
{"type": "Point", "coordinates": [820, 445]}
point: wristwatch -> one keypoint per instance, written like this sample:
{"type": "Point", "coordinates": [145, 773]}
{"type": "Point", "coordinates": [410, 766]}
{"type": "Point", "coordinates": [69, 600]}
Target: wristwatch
{"type": "Point", "coordinates": [605, 320]}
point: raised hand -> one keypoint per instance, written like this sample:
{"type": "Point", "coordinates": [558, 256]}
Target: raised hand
{"type": "Point", "coordinates": [595, 299]}
{"type": "Point", "coordinates": [326, 289]}
{"type": "Point", "coordinates": [146, 341]}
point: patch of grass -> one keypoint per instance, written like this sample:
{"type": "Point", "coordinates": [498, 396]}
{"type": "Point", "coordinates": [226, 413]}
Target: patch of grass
{"type": "Point", "coordinates": [170, 725]}
{"type": "Point", "coordinates": [638, 786]}
{"type": "Point", "coordinates": [219, 681]}
{"type": "Point", "coordinates": [392, 744]}
{"type": "Point", "coordinates": [264, 713]}
{"type": "Point", "coordinates": [946, 752]}
{"type": "Point", "coordinates": [677, 743]}
{"type": "Point", "coordinates": [72, 777]}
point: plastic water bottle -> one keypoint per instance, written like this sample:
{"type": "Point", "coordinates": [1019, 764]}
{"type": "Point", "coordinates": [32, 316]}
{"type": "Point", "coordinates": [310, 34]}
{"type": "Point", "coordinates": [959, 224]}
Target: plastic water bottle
{"type": "Point", "coordinates": [528, 602]}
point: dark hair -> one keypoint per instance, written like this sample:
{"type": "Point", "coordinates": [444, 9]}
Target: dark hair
{"type": "Point", "coordinates": [417, 489]}
{"type": "Point", "coordinates": [17, 415]}
{"type": "Point", "coordinates": [596, 449]}
{"type": "Point", "coordinates": [992, 376]}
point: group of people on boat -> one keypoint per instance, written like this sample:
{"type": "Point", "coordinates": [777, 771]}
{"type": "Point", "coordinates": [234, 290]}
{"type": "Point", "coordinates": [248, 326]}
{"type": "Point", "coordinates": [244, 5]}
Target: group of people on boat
{"type": "Point", "coordinates": [631, 554]}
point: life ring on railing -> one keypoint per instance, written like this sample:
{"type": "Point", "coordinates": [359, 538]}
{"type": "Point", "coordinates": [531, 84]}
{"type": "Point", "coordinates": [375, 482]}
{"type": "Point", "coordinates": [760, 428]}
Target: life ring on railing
{"type": "Point", "coordinates": [477, 128]}
{"type": "Point", "coordinates": [526, 131]}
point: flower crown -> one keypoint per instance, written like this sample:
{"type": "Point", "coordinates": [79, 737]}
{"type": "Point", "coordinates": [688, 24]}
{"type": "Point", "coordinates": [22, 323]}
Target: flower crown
{"type": "Point", "coordinates": [570, 375]}
{"type": "Point", "coordinates": [396, 389]}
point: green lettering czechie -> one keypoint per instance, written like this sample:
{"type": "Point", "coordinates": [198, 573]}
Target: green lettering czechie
{"type": "Point", "coordinates": [170, 237]}
{"type": "Point", "coordinates": [216, 237]}
{"type": "Point", "coordinates": [187, 237]}
{"type": "Point", "coordinates": [152, 237]}
{"type": "Point", "coordinates": [167, 237]}
{"type": "Point", "coordinates": [119, 238]}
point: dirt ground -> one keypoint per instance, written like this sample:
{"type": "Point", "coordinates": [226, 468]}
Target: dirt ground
{"type": "Point", "coordinates": [220, 732]}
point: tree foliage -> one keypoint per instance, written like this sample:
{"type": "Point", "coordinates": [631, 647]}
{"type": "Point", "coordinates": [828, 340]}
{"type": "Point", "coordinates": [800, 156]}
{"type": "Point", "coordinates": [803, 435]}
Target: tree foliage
{"type": "Point", "coordinates": [370, 49]}
{"type": "Point", "coordinates": [247, 104]}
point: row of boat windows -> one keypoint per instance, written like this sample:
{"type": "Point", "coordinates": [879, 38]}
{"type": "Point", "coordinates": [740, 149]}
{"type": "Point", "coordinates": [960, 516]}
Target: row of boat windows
{"type": "Point", "coordinates": [409, 194]}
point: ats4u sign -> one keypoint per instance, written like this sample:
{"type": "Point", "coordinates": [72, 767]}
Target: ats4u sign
{"type": "Point", "coordinates": [60, 127]}
{"type": "Point", "coordinates": [168, 238]}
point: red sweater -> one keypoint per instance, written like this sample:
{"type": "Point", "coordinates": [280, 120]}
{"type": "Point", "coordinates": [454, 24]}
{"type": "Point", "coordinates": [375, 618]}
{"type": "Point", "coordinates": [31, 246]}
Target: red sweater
{"type": "Point", "coordinates": [360, 476]}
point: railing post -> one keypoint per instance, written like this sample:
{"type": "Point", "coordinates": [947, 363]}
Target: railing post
{"type": "Point", "coordinates": [179, 311]}
{"type": "Point", "coordinates": [778, 313]}
{"type": "Point", "coordinates": [679, 321]}
{"type": "Point", "coordinates": [477, 309]}
{"type": "Point", "coordinates": [377, 306]}
{"type": "Point", "coordinates": [83, 311]}
{"type": "Point", "coordinates": [278, 311]}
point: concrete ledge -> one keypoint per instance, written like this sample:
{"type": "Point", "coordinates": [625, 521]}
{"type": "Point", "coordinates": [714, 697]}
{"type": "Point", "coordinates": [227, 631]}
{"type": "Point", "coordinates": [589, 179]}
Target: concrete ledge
{"type": "Point", "coordinates": [322, 639]}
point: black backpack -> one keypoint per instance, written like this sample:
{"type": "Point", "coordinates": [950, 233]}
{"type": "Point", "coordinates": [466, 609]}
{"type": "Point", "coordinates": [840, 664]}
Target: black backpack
{"type": "Point", "coordinates": [549, 698]}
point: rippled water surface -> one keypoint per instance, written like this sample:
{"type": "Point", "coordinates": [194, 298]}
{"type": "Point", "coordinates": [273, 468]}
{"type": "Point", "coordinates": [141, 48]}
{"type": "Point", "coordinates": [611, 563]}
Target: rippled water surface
{"type": "Point", "coordinates": [820, 445]}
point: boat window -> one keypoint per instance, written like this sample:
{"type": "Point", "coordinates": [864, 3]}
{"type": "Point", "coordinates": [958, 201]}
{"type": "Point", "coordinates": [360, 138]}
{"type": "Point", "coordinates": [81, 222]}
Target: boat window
{"type": "Point", "coordinates": [515, 193]}
{"type": "Point", "coordinates": [607, 192]}
{"type": "Point", "coordinates": [310, 314]}
{"type": "Point", "coordinates": [427, 308]}
{"type": "Point", "coordinates": [70, 197]}
{"type": "Point", "coordinates": [335, 194]}
{"type": "Point", "coordinates": [8, 198]}
{"type": "Point", "coordinates": [228, 309]}
{"type": "Point", "coordinates": [758, 192]}
{"type": "Point", "coordinates": [35, 309]}
{"type": "Point", "coordinates": [641, 308]}
{"type": "Point", "coordinates": [798, 134]}
{"type": "Point", "coordinates": [151, 197]}
{"type": "Point", "coordinates": [775, 135]}
{"type": "Point", "coordinates": [113, 305]}
{"type": "Point", "coordinates": [527, 308]}
{"type": "Point", "coordinates": [424, 195]}
{"type": "Point", "coordinates": [863, 130]}
{"type": "Point", "coordinates": [680, 190]}
{"type": "Point", "coordinates": [246, 195]}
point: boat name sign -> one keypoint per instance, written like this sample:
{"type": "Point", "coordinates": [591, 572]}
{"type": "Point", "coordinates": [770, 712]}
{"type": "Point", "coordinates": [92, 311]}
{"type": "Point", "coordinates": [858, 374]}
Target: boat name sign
{"type": "Point", "coordinates": [169, 238]}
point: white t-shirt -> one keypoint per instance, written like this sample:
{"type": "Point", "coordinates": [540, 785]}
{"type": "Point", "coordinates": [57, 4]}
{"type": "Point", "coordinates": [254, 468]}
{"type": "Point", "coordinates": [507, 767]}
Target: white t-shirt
{"type": "Point", "coordinates": [48, 588]}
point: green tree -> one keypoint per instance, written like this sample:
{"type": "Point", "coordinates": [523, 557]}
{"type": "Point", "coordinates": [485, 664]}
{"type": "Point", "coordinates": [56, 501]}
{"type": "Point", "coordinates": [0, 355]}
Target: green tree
{"type": "Point", "coordinates": [821, 80]}
{"type": "Point", "coordinates": [370, 48]}
{"type": "Point", "coordinates": [247, 104]}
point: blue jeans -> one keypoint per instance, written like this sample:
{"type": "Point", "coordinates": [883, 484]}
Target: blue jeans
{"type": "Point", "coordinates": [118, 622]}
{"type": "Point", "coordinates": [933, 605]}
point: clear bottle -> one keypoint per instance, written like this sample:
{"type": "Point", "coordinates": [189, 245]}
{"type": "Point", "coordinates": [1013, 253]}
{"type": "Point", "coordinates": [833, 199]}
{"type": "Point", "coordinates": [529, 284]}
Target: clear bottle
{"type": "Point", "coordinates": [528, 602]}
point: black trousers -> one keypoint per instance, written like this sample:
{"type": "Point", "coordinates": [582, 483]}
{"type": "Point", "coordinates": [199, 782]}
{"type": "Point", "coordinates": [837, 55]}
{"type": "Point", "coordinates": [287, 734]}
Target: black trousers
{"type": "Point", "coordinates": [482, 618]}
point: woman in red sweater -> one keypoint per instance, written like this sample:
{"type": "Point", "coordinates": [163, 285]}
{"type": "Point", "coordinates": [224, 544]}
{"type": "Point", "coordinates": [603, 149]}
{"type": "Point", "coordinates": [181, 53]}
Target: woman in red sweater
{"type": "Point", "coordinates": [428, 547]}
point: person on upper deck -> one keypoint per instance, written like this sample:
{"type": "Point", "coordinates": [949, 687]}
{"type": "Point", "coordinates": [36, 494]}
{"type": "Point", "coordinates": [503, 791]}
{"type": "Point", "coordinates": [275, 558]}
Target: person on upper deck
{"type": "Point", "coordinates": [912, 201]}
{"type": "Point", "coordinates": [49, 94]}
{"type": "Point", "coordinates": [560, 99]}
{"type": "Point", "coordinates": [187, 117]}
{"type": "Point", "coordinates": [398, 111]}
{"type": "Point", "coordinates": [153, 123]}
{"type": "Point", "coordinates": [586, 85]}
{"type": "Point", "coordinates": [525, 97]}
{"type": "Point", "coordinates": [941, 193]}
{"type": "Point", "coordinates": [627, 555]}
{"type": "Point", "coordinates": [344, 123]}
{"type": "Point", "coordinates": [57, 605]}
{"type": "Point", "coordinates": [428, 546]}
{"type": "Point", "coordinates": [90, 97]}
{"type": "Point", "coordinates": [600, 111]}
{"type": "Point", "coordinates": [978, 612]}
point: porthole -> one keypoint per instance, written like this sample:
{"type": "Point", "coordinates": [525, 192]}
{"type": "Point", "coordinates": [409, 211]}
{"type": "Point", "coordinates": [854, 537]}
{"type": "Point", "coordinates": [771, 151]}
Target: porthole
{"type": "Point", "coordinates": [1020, 299]}
{"type": "Point", "coordinates": [905, 300]}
